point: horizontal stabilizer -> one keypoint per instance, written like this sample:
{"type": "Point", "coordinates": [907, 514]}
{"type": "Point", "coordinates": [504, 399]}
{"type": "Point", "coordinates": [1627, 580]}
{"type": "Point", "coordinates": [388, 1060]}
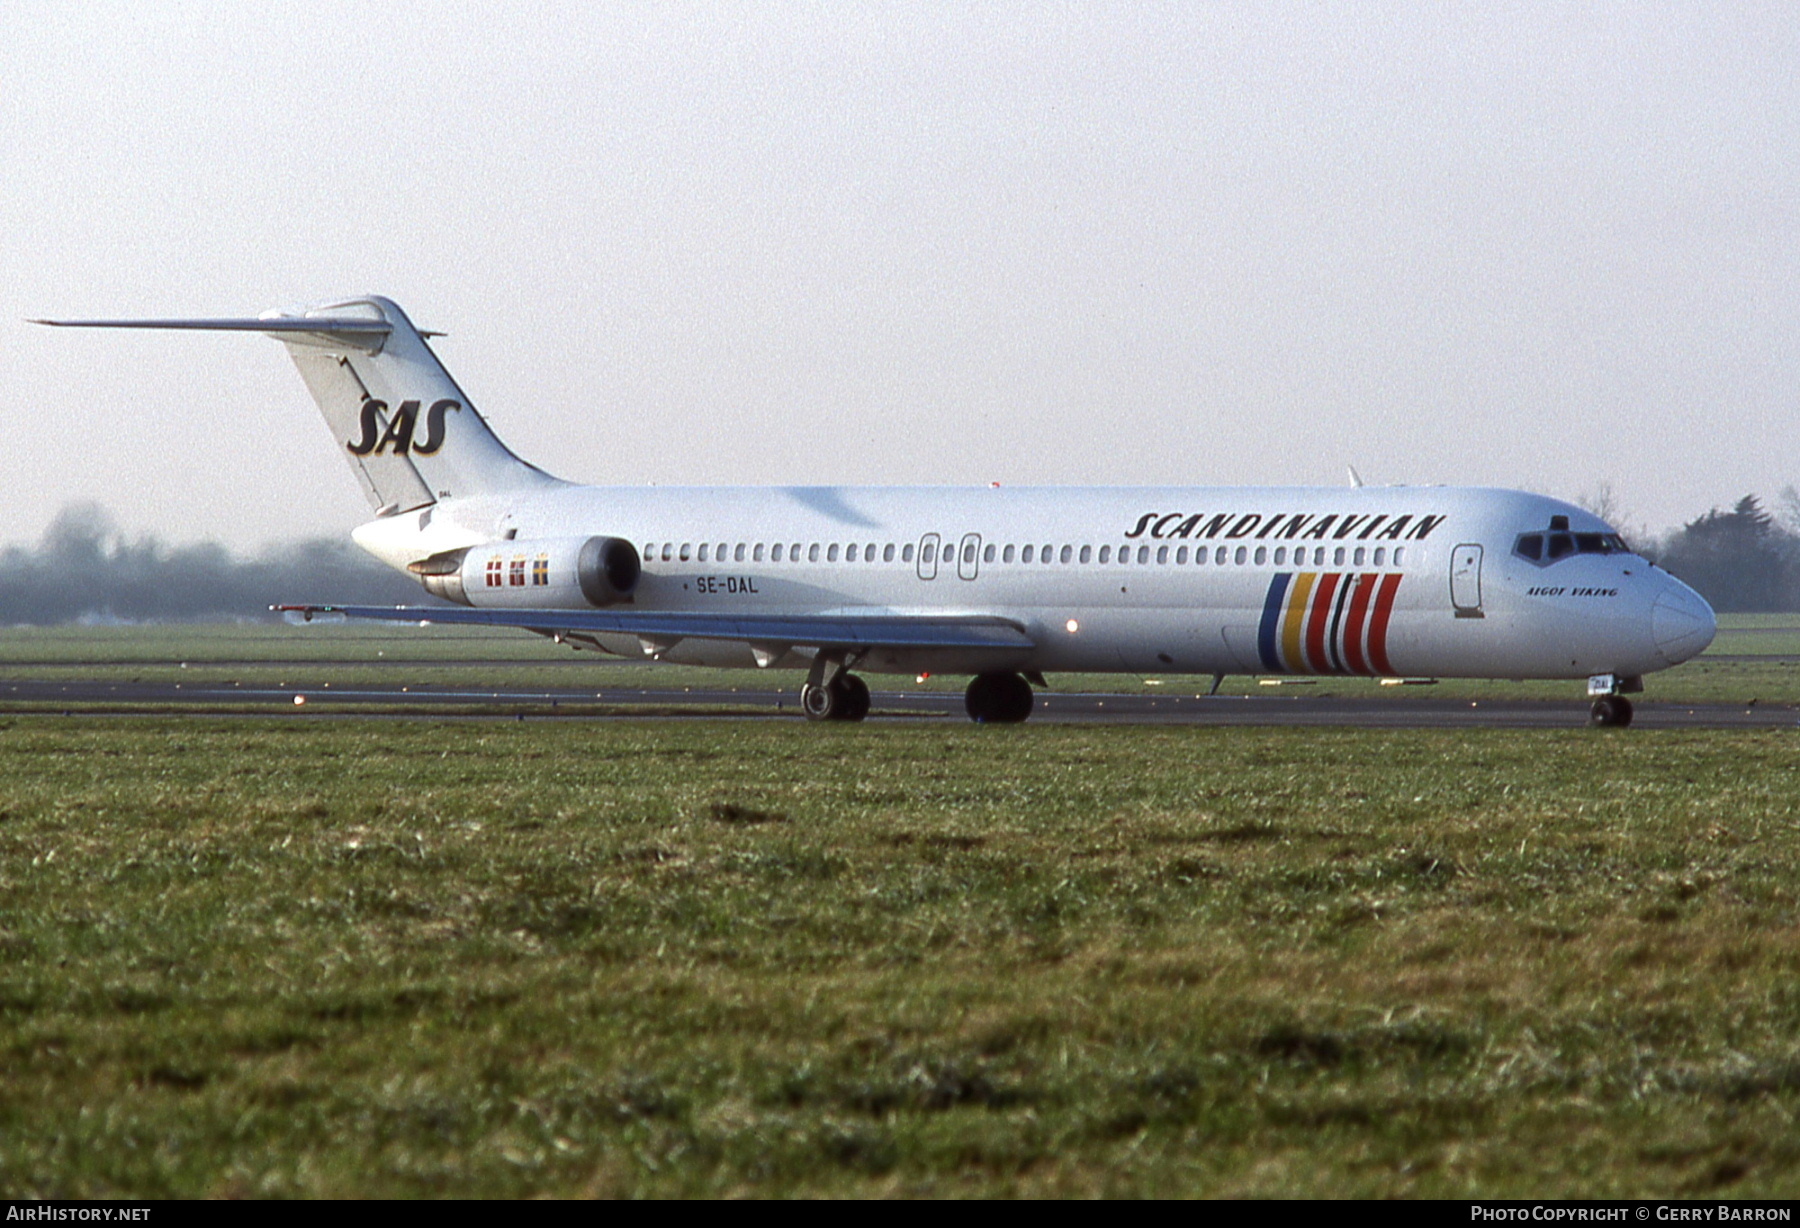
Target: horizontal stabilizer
{"type": "Point", "coordinates": [826, 631]}
{"type": "Point", "coordinates": [344, 325]}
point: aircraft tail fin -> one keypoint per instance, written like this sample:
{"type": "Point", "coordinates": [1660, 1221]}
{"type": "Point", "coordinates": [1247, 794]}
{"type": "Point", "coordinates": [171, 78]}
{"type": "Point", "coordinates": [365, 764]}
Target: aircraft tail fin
{"type": "Point", "coordinates": [408, 431]}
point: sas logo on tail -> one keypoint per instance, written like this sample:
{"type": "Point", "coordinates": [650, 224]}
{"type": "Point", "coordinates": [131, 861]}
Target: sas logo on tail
{"type": "Point", "coordinates": [1327, 623]}
{"type": "Point", "coordinates": [398, 433]}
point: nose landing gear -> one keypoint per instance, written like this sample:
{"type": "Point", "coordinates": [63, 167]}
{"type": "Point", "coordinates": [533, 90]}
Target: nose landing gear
{"type": "Point", "coordinates": [1610, 711]}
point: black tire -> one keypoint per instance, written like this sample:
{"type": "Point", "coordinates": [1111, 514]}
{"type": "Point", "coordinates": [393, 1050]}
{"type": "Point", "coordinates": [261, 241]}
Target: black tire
{"type": "Point", "coordinates": [856, 697]}
{"type": "Point", "coordinates": [1610, 712]}
{"type": "Point", "coordinates": [998, 699]}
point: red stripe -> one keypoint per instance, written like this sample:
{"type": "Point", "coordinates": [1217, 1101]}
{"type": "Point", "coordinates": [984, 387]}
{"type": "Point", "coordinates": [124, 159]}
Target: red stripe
{"type": "Point", "coordinates": [1359, 610]}
{"type": "Point", "coordinates": [1378, 626]}
{"type": "Point", "coordinates": [1320, 622]}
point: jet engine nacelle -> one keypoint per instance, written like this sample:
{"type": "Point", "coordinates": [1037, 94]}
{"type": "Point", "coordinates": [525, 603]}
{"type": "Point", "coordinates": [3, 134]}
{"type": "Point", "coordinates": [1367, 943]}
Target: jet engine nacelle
{"type": "Point", "coordinates": [554, 574]}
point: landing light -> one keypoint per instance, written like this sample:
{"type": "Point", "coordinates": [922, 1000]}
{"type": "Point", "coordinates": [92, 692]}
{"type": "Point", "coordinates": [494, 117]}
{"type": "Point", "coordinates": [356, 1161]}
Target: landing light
{"type": "Point", "coordinates": [1073, 626]}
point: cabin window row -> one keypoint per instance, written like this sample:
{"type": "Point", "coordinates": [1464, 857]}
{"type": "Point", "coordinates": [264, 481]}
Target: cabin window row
{"type": "Point", "coordinates": [930, 553]}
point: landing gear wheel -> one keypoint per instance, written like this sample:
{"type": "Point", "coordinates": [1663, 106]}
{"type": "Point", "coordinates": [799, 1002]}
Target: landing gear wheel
{"type": "Point", "coordinates": [998, 699]}
{"type": "Point", "coordinates": [844, 698]}
{"type": "Point", "coordinates": [856, 697]}
{"type": "Point", "coordinates": [821, 703]}
{"type": "Point", "coordinates": [1611, 712]}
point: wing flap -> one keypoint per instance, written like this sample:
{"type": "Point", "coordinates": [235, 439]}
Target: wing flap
{"type": "Point", "coordinates": [824, 631]}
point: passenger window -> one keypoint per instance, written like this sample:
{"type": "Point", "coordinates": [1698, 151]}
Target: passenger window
{"type": "Point", "coordinates": [849, 552]}
{"type": "Point", "coordinates": [1180, 556]}
{"type": "Point", "coordinates": [1025, 556]}
{"type": "Point", "coordinates": [1280, 555]}
{"type": "Point", "coordinates": [1044, 554]}
{"type": "Point", "coordinates": [1143, 555]}
{"type": "Point", "coordinates": [987, 555]}
{"type": "Point", "coordinates": [687, 551]}
{"type": "Point", "coordinates": [1262, 555]}
{"type": "Point", "coordinates": [968, 552]}
{"type": "Point", "coordinates": [1381, 556]}
{"type": "Point", "coordinates": [906, 553]}
{"type": "Point", "coordinates": [887, 553]}
{"type": "Point", "coordinates": [759, 553]}
{"type": "Point", "coordinates": [812, 553]}
{"type": "Point", "coordinates": [703, 552]}
{"type": "Point", "coordinates": [1399, 556]}
{"type": "Point", "coordinates": [794, 552]}
{"type": "Point", "coordinates": [1162, 554]}
{"type": "Point", "coordinates": [1006, 555]}
{"type": "Point", "coordinates": [1356, 560]}
{"type": "Point", "coordinates": [1124, 555]}
{"type": "Point", "coordinates": [1106, 554]}
{"type": "Point", "coordinates": [777, 555]}
{"type": "Point", "coordinates": [668, 551]}
{"type": "Point", "coordinates": [1068, 552]}
{"type": "Point", "coordinates": [928, 553]}
{"type": "Point", "coordinates": [1087, 554]}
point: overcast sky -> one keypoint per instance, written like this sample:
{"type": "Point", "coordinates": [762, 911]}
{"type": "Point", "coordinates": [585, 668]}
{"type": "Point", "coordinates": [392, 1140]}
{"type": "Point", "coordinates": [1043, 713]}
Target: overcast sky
{"type": "Point", "coordinates": [1528, 245]}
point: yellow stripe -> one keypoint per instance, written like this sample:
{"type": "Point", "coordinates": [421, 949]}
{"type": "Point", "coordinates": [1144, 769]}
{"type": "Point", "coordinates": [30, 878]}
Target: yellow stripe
{"type": "Point", "coordinates": [1295, 624]}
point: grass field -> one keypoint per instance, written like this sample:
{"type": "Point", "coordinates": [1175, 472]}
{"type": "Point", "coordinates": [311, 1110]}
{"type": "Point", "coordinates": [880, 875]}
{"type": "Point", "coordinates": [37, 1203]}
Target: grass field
{"type": "Point", "coordinates": [427, 958]}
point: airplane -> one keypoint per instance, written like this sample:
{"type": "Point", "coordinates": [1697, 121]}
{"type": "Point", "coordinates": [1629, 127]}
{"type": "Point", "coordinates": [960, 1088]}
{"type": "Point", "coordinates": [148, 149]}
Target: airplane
{"type": "Point", "coordinates": [1003, 584]}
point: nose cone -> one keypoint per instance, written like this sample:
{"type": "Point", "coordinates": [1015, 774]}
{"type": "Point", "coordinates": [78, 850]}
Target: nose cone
{"type": "Point", "coordinates": [1682, 623]}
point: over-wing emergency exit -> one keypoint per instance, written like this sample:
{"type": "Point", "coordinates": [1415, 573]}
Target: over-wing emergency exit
{"type": "Point", "coordinates": [1002, 584]}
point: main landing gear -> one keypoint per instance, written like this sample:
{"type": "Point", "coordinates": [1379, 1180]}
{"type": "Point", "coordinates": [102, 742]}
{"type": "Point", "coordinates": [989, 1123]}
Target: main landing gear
{"type": "Point", "coordinates": [844, 698]}
{"type": "Point", "coordinates": [998, 699]}
{"type": "Point", "coordinates": [833, 693]}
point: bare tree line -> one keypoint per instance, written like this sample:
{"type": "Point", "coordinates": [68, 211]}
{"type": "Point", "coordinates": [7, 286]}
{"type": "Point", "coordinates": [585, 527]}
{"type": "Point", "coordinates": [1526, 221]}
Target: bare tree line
{"type": "Point", "coordinates": [85, 570]}
{"type": "Point", "coordinates": [1743, 560]}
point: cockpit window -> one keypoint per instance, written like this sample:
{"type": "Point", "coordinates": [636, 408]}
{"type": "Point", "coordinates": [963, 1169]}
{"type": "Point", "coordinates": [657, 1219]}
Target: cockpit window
{"type": "Point", "coordinates": [1543, 549]}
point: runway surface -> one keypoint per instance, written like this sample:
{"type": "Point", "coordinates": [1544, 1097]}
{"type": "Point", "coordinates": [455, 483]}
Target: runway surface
{"type": "Point", "coordinates": [1403, 711]}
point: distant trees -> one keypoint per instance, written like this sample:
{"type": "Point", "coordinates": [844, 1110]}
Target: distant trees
{"type": "Point", "coordinates": [1741, 560]}
{"type": "Point", "coordinates": [85, 570]}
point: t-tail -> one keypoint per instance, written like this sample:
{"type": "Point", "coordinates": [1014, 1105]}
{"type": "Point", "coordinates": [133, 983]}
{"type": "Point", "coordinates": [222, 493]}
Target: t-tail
{"type": "Point", "coordinates": [410, 434]}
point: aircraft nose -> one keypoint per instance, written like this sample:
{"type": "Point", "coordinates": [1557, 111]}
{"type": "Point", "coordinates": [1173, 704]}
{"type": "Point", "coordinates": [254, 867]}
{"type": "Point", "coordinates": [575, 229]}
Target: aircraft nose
{"type": "Point", "coordinates": [1681, 623]}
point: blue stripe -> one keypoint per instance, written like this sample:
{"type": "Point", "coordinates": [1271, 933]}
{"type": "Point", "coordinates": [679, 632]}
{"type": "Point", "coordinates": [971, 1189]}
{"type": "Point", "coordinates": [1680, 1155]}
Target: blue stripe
{"type": "Point", "coordinates": [1268, 635]}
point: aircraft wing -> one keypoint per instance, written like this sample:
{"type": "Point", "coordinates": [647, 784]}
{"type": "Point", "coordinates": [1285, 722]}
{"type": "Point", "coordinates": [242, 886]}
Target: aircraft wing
{"type": "Point", "coordinates": [852, 632]}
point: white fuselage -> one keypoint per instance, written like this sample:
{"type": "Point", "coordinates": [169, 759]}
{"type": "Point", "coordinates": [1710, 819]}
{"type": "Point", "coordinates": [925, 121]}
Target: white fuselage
{"type": "Point", "coordinates": [1404, 581]}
